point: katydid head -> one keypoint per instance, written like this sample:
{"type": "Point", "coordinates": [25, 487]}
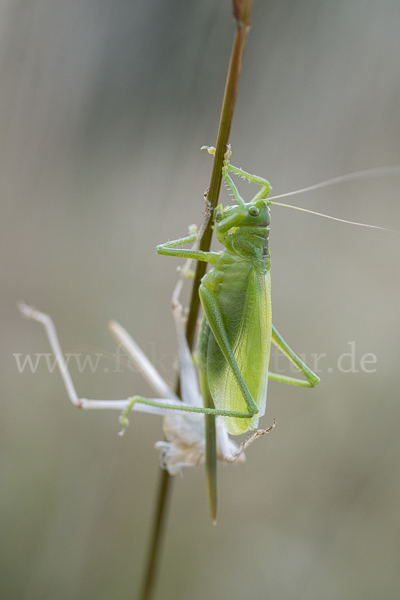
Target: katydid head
{"type": "Point", "coordinates": [257, 214]}
{"type": "Point", "coordinates": [246, 214]}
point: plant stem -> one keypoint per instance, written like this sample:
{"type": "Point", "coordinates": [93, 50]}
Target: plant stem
{"type": "Point", "coordinates": [228, 106]}
{"type": "Point", "coordinates": [160, 513]}
{"type": "Point", "coordinates": [241, 12]}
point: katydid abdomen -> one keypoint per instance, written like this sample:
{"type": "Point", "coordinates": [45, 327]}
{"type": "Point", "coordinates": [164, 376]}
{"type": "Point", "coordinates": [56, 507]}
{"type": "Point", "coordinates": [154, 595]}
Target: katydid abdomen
{"type": "Point", "coordinates": [240, 286]}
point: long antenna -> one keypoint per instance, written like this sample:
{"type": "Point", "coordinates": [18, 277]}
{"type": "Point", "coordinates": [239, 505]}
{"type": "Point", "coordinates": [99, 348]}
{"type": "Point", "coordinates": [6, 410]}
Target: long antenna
{"type": "Point", "coordinates": [312, 212]}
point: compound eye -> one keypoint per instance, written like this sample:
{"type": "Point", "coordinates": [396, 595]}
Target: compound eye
{"type": "Point", "coordinates": [254, 212]}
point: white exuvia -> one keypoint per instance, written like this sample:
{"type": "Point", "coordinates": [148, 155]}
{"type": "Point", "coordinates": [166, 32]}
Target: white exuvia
{"type": "Point", "coordinates": [184, 432]}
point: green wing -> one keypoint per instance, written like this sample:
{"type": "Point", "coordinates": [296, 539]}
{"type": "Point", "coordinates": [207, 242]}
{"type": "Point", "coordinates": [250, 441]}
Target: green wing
{"type": "Point", "coordinates": [246, 313]}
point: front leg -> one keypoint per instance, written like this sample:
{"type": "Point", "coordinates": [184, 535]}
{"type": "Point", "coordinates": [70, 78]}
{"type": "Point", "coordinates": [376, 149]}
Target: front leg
{"type": "Point", "coordinates": [265, 185]}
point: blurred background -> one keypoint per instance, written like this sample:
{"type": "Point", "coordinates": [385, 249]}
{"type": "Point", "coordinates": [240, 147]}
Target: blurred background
{"type": "Point", "coordinates": [104, 106]}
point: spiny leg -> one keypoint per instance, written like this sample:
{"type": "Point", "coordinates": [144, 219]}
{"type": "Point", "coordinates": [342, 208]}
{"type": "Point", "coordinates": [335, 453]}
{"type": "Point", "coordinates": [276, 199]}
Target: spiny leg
{"type": "Point", "coordinates": [228, 179]}
{"type": "Point", "coordinates": [265, 185]}
{"type": "Point", "coordinates": [311, 378]}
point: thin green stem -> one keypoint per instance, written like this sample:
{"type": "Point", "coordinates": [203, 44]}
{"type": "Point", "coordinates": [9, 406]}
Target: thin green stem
{"type": "Point", "coordinates": [241, 12]}
{"type": "Point", "coordinates": [160, 513]}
